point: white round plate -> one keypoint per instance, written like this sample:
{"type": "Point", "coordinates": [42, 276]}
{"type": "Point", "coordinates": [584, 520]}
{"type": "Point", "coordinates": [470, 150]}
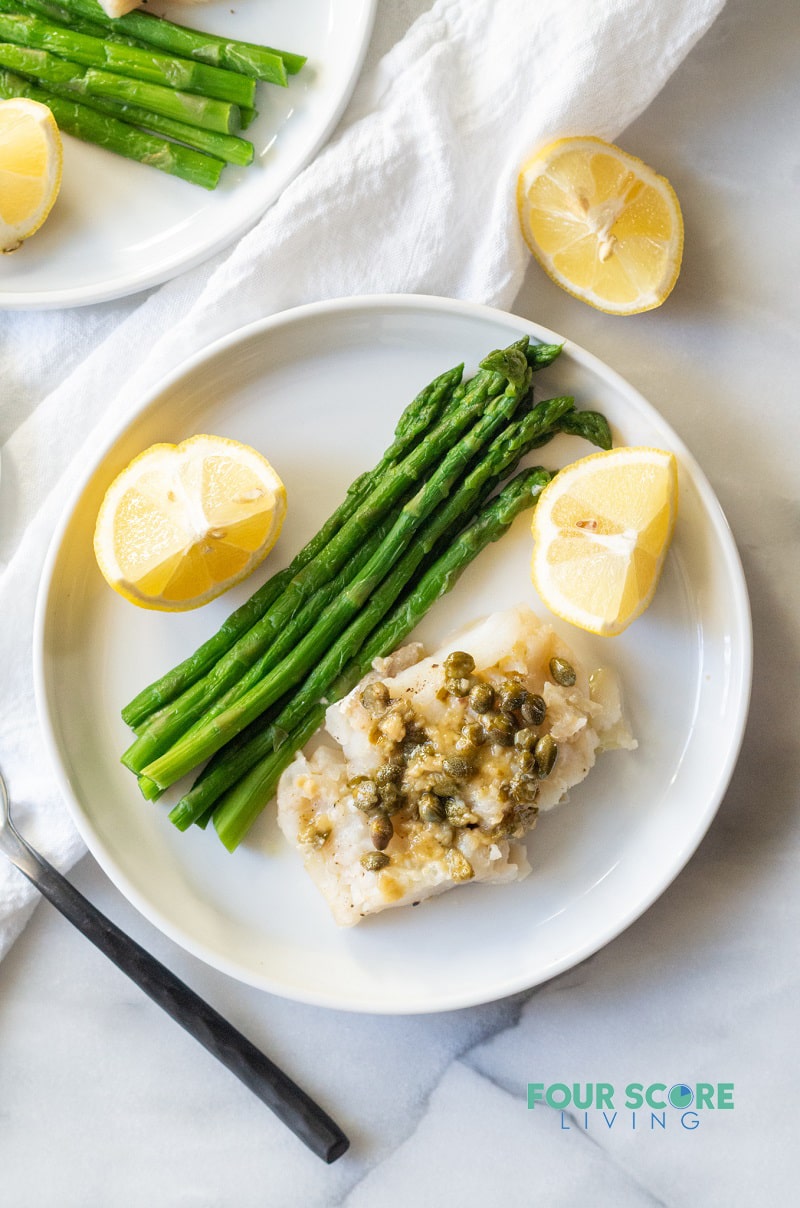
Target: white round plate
{"type": "Point", "coordinates": [319, 390]}
{"type": "Point", "coordinates": [119, 226]}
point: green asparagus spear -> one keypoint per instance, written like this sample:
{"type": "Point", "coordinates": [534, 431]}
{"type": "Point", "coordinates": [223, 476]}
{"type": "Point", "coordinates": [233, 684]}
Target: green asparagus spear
{"type": "Point", "coordinates": [206, 112]}
{"type": "Point", "coordinates": [240, 806]}
{"type": "Point", "coordinates": [502, 456]}
{"type": "Point", "coordinates": [539, 356]}
{"type": "Point", "coordinates": [105, 131]}
{"type": "Point", "coordinates": [422, 411]}
{"type": "Point", "coordinates": [185, 754]}
{"type": "Point", "coordinates": [130, 61]}
{"type": "Point", "coordinates": [47, 69]}
{"type": "Point", "coordinates": [591, 425]}
{"type": "Point", "coordinates": [246, 57]}
{"type": "Point", "coordinates": [230, 148]}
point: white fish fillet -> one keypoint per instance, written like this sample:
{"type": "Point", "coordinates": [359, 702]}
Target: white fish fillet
{"type": "Point", "coordinates": [316, 807]}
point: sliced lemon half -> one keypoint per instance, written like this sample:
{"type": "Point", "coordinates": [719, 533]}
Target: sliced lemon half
{"type": "Point", "coordinates": [30, 169]}
{"type": "Point", "coordinates": [602, 528]}
{"type": "Point", "coordinates": [602, 224]}
{"type": "Point", "coordinates": [183, 523]}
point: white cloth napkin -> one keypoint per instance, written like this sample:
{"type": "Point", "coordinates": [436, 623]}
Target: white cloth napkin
{"type": "Point", "coordinates": [414, 193]}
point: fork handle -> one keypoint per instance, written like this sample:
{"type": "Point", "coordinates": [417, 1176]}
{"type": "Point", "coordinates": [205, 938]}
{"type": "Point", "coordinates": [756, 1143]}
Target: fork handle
{"type": "Point", "coordinates": [289, 1103]}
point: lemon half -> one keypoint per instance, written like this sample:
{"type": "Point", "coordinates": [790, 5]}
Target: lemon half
{"type": "Point", "coordinates": [183, 523]}
{"type": "Point", "coordinates": [30, 169]}
{"type": "Point", "coordinates": [602, 224]}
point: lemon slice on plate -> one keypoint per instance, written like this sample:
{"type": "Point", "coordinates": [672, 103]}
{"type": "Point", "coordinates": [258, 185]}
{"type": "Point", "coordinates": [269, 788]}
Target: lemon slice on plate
{"type": "Point", "coordinates": [183, 523]}
{"type": "Point", "coordinates": [30, 169]}
{"type": "Point", "coordinates": [602, 224]}
{"type": "Point", "coordinates": [602, 528]}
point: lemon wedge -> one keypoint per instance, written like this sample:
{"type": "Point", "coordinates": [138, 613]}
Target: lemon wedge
{"type": "Point", "coordinates": [602, 528]}
{"type": "Point", "coordinates": [183, 523]}
{"type": "Point", "coordinates": [30, 169]}
{"type": "Point", "coordinates": [602, 224]}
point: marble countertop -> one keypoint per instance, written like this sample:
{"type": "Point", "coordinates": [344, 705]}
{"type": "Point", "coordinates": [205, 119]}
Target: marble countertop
{"type": "Point", "coordinates": [105, 1103]}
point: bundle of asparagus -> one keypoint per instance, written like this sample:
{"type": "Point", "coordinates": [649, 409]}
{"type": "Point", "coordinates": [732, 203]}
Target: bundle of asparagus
{"type": "Point", "coordinates": [253, 694]}
{"type": "Point", "coordinates": [139, 85]}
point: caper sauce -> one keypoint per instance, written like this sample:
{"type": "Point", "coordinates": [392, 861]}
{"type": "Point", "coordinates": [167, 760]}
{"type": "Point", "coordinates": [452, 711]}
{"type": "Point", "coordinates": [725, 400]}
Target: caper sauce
{"type": "Point", "coordinates": [423, 776]}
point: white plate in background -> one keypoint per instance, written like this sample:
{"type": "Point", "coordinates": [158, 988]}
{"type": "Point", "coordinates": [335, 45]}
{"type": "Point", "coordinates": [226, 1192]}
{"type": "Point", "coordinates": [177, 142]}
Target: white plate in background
{"type": "Point", "coordinates": [119, 226]}
{"type": "Point", "coordinates": [319, 390]}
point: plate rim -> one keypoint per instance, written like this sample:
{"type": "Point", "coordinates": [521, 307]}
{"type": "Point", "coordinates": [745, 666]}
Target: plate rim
{"type": "Point", "coordinates": [88, 295]}
{"type": "Point", "coordinates": [740, 607]}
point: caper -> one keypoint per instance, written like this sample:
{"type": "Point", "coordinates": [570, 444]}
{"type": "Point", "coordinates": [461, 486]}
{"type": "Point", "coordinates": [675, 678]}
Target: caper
{"type": "Point", "coordinates": [365, 795]}
{"type": "Point", "coordinates": [374, 861]}
{"type": "Point", "coordinates": [562, 672]}
{"type": "Point", "coordinates": [419, 750]}
{"type": "Point", "coordinates": [466, 749]}
{"type": "Point", "coordinates": [510, 695]}
{"type": "Point", "coordinates": [459, 813]}
{"type": "Point", "coordinates": [500, 729]}
{"type": "Point", "coordinates": [481, 698]}
{"type": "Point", "coordinates": [527, 762]}
{"type": "Point", "coordinates": [458, 767]}
{"type": "Point", "coordinates": [391, 799]}
{"type": "Point", "coordinates": [390, 773]}
{"type": "Point", "coordinates": [380, 830]}
{"type": "Point", "coordinates": [458, 685]}
{"type": "Point", "coordinates": [525, 739]}
{"type": "Point", "coordinates": [533, 709]}
{"type": "Point", "coordinates": [431, 808]}
{"type": "Point", "coordinates": [415, 733]}
{"type": "Point", "coordinates": [314, 835]}
{"type": "Point", "coordinates": [524, 789]}
{"type": "Point", "coordinates": [545, 751]}
{"type": "Point", "coordinates": [473, 733]}
{"type": "Point", "coordinates": [507, 826]}
{"type": "Point", "coordinates": [458, 865]}
{"type": "Point", "coordinates": [459, 664]}
{"type": "Point", "coordinates": [443, 786]}
{"type": "Point", "coordinates": [375, 698]}
{"type": "Point", "coordinates": [504, 793]}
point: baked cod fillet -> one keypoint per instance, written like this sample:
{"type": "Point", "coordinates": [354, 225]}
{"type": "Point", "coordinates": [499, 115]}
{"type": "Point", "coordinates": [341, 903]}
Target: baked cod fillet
{"type": "Point", "coordinates": [434, 768]}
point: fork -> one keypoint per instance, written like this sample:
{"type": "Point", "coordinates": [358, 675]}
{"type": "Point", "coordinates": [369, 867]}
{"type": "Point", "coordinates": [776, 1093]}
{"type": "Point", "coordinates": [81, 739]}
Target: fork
{"type": "Point", "coordinates": [290, 1104]}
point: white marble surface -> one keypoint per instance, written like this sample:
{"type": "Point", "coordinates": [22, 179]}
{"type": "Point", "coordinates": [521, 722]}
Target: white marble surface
{"type": "Point", "coordinates": [105, 1103]}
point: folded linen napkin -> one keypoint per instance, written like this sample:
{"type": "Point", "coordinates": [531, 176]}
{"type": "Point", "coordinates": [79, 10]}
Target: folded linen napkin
{"type": "Point", "coordinates": [414, 193]}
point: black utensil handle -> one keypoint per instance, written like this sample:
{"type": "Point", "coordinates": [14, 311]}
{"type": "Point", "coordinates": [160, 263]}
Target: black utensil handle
{"type": "Point", "coordinates": [289, 1103]}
